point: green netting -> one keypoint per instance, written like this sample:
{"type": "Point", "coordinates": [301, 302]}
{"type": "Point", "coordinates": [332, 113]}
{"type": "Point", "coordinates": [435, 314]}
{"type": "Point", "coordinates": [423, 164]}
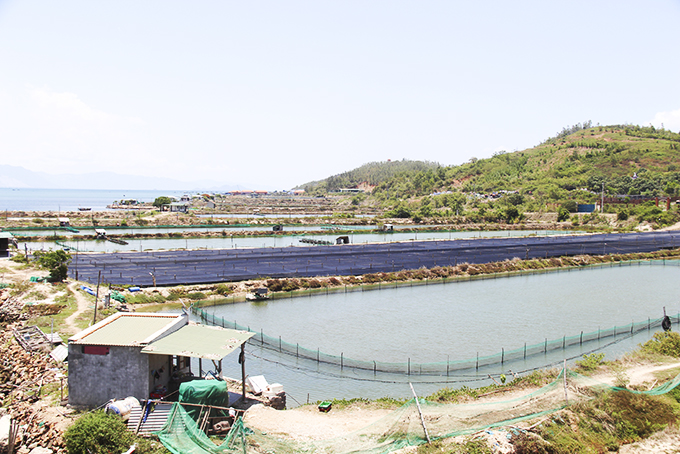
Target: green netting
{"type": "Point", "coordinates": [403, 426]}
{"type": "Point", "coordinates": [446, 367]}
{"type": "Point", "coordinates": [434, 368]}
{"type": "Point", "coordinates": [203, 392]}
{"type": "Point", "coordinates": [181, 435]}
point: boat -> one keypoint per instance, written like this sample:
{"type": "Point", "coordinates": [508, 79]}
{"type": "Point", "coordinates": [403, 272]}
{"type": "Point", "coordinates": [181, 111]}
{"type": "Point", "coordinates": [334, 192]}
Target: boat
{"type": "Point", "coordinates": [117, 241]}
{"type": "Point", "coordinates": [260, 294]}
{"type": "Point", "coordinates": [84, 209]}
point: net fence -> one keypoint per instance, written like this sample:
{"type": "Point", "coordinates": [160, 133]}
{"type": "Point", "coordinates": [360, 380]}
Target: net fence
{"type": "Point", "coordinates": [443, 368]}
{"type": "Point", "coordinates": [404, 426]}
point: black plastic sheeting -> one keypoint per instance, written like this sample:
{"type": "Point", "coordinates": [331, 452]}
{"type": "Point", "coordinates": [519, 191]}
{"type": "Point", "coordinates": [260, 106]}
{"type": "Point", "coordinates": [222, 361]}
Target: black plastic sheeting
{"type": "Point", "coordinates": [227, 265]}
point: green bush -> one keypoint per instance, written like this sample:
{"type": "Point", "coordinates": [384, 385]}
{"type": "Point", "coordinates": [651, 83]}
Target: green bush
{"type": "Point", "coordinates": [665, 343]}
{"type": "Point", "coordinates": [562, 214]}
{"type": "Point", "coordinates": [97, 433]}
{"type": "Point", "coordinates": [223, 289]}
{"type": "Point", "coordinates": [591, 362]}
{"type": "Point", "coordinates": [195, 296]}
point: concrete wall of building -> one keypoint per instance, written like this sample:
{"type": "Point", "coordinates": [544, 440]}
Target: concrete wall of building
{"type": "Point", "coordinates": [95, 379]}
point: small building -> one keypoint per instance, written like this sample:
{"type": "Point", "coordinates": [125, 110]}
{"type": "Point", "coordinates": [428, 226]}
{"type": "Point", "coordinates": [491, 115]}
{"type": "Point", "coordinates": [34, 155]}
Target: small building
{"type": "Point", "coordinates": [141, 355]}
{"type": "Point", "coordinates": [342, 240]}
{"type": "Point", "coordinates": [5, 239]}
{"type": "Point", "coordinates": [64, 222]}
{"type": "Point", "coordinates": [176, 207]}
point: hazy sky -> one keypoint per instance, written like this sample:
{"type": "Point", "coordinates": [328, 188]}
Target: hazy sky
{"type": "Point", "coordinates": [278, 93]}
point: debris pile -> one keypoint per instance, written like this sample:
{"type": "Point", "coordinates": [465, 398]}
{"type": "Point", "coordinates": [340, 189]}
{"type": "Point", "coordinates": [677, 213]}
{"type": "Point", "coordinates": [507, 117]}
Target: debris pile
{"type": "Point", "coordinates": [25, 381]}
{"type": "Point", "coordinates": [10, 308]}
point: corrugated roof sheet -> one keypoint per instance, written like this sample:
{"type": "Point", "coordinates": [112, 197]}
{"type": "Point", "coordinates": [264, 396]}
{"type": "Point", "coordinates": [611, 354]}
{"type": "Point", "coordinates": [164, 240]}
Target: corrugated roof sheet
{"type": "Point", "coordinates": [199, 341]}
{"type": "Point", "coordinates": [124, 329]}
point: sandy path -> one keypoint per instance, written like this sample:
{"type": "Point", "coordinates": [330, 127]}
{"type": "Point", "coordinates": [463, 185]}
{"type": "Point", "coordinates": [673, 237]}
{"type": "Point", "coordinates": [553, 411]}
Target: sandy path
{"type": "Point", "coordinates": [83, 304]}
{"type": "Point", "coordinates": [638, 375]}
{"type": "Point", "coordinates": [308, 424]}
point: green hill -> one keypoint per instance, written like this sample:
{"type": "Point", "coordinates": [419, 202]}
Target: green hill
{"type": "Point", "coordinates": [573, 165]}
{"type": "Point", "coordinates": [368, 175]}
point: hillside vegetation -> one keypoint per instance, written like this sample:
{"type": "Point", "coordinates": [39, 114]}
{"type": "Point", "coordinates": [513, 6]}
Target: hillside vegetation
{"type": "Point", "coordinates": [368, 175]}
{"type": "Point", "coordinates": [627, 159]}
{"type": "Point", "coordinates": [575, 166]}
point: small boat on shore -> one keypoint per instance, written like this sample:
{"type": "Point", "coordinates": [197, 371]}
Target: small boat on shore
{"type": "Point", "coordinates": [260, 294]}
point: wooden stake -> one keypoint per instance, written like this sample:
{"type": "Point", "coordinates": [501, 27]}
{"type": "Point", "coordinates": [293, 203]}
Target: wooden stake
{"type": "Point", "coordinates": [564, 372]}
{"type": "Point", "coordinates": [96, 298]}
{"type": "Point", "coordinates": [422, 420]}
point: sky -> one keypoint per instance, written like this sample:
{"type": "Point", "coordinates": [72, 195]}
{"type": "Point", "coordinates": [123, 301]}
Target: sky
{"type": "Point", "coordinates": [273, 94]}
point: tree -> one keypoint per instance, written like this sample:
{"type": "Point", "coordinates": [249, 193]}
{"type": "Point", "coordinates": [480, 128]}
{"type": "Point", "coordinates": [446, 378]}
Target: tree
{"type": "Point", "coordinates": [162, 200]}
{"type": "Point", "coordinates": [56, 262]}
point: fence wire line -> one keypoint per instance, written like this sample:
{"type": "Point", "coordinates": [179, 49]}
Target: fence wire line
{"type": "Point", "coordinates": [276, 344]}
{"type": "Point", "coordinates": [264, 341]}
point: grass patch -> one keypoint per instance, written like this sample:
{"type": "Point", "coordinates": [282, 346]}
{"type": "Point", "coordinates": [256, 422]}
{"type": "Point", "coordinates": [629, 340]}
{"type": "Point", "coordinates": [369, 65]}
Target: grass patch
{"type": "Point", "coordinates": [387, 403]}
{"type": "Point", "coordinates": [534, 380]}
{"type": "Point", "coordinates": [603, 424]}
{"type": "Point", "coordinates": [44, 319]}
{"type": "Point", "coordinates": [468, 447]}
{"type": "Point", "coordinates": [160, 307]}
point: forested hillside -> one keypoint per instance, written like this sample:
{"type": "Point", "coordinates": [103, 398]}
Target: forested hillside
{"type": "Point", "coordinates": [627, 159]}
{"type": "Point", "coordinates": [369, 175]}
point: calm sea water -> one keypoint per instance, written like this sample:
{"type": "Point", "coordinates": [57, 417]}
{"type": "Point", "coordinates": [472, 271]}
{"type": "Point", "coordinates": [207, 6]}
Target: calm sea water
{"type": "Point", "coordinates": [72, 199]}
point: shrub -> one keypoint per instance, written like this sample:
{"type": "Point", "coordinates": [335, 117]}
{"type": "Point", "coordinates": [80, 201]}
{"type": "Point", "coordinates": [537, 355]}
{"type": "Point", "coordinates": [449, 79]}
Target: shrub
{"type": "Point", "coordinates": [223, 289]}
{"type": "Point", "coordinates": [562, 214]}
{"type": "Point", "coordinates": [97, 432]}
{"type": "Point", "coordinates": [622, 215]}
{"type": "Point", "coordinates": [665, 343]}
{"type": "Point", "coordinates": [195, 296]}
{"type": "Point", "coordinates": [591, 362]}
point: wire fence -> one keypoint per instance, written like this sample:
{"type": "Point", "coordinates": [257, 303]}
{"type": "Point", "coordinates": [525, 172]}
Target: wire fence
{"type": "Point", "coordinates": [445, 367]}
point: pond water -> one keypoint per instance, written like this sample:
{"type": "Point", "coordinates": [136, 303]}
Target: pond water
{"type": "Point", "coordinates": [450, 322]}
{"type": "Point", "coordinates": [143, 244]}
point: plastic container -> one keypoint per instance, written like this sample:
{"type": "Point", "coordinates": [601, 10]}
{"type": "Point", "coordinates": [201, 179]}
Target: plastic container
{"type": "Point", "coordinates": [122, 407]}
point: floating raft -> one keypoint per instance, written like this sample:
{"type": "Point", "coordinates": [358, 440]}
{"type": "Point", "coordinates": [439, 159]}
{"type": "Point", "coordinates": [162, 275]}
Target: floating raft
{"type": "Point", "coordinates": [313, 241]}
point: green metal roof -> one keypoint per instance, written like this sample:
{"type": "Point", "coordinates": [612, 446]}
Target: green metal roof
{"type": "Point", "coordinates": [199, 341]}
{"type": "Point", "coordinates": [125, 330]}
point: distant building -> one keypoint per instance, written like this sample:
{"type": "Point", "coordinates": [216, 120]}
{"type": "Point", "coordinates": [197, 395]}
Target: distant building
{"type": "Point", "coordinates": [5, 239]}
{"type": "Point", "coordinates": [176, 207]}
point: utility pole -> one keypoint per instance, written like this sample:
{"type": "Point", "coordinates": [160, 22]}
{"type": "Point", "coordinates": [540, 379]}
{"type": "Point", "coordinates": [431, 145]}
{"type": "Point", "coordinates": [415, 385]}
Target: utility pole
{"type": "Point", "coordinates": [602, 203]}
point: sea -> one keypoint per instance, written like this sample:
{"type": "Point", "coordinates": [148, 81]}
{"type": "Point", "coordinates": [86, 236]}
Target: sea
{"type": "Point", "coordinates": [59, 200]}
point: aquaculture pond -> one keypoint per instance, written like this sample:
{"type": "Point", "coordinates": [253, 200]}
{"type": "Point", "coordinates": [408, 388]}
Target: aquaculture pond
{"type": "Point", "coordinates": [449, 323]}
{"type": "Point", "coordinates": [144, 244]}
